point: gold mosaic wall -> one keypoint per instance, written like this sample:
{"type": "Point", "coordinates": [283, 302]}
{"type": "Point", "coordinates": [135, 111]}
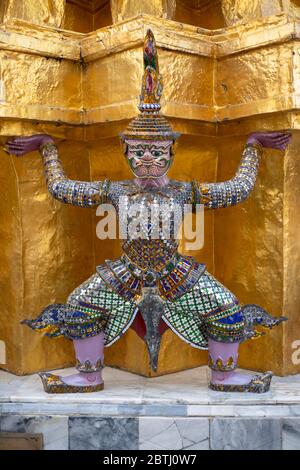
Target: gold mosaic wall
{"type": "Point", "coordinates": [73, 69]}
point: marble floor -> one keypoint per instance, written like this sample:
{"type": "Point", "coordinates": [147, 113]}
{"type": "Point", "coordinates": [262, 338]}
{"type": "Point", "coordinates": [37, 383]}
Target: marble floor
{"type": "Point", "coordinates": [175, 411]}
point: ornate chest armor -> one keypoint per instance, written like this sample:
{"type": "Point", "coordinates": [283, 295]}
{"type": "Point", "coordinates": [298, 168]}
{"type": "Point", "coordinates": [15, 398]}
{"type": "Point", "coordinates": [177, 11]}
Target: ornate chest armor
{"type": "Point", "coordinates": [150, 257]}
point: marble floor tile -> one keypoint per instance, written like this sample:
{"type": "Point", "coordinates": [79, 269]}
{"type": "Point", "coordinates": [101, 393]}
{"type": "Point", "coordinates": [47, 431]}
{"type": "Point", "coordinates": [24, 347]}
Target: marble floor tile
{"type": "Point", "coordinates": [53, 428]}
{"type": "Point", "coordinates": [243, 410]}
{"type": "Point", "coordinates": [291, 434]}
{"type": "Point", "coordinates": [173, 433]}
{"type": "Point", "coordinates": [245, 434]}
{"type": "Point", "coordinates": [103, 433]}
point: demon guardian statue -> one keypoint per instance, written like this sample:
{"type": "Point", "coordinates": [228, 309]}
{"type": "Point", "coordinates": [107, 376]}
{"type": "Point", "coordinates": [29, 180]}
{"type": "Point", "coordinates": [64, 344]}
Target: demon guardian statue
{"type": "Point", "coordinates": [151, 279]}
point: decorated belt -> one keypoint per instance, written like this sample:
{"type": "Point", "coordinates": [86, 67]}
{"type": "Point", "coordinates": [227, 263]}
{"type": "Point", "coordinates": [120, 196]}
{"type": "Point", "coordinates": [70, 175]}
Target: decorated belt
{"type": "Point", "coordinates": [150, 276]}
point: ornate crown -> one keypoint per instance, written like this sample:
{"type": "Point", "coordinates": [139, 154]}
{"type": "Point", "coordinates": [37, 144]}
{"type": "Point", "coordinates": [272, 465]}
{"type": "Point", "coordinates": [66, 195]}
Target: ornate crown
{"type": "Point", "coordinates": [150, 124]}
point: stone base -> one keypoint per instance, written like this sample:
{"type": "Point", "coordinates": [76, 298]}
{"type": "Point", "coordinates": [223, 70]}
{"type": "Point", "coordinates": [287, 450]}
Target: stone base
{"type": "Point", "coordinates": [176, 411]}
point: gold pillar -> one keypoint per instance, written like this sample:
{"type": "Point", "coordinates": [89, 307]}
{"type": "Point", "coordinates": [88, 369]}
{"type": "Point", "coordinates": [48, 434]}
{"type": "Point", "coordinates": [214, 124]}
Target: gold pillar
{"type": "Point", "coordinates": [50, 12]}
{"type": "Point", "coordinates": [241, 11]}
{"type": "Point", "coordinates": [124, 9]}
{"type": "Point", "coordinates": [42, 249]}
{"type": "Point", "coordinates": [202, 13]}
{"type": "Point", "coordinates": [83, 89]}
{"type": "Point", "coordinates": [85, 16]}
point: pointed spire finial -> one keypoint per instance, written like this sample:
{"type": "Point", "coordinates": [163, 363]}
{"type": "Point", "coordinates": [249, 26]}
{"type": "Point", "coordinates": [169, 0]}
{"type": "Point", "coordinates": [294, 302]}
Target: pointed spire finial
{"type": "Point", "coordinates": [150, 124]}
{"type": "Point", "coordinates": [152, 85]}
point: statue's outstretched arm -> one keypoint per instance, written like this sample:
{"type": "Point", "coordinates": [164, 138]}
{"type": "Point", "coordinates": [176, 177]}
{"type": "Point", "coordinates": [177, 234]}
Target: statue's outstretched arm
{"type": "Point", "coordinates": [77, 193]}
{"type": "Point", "coordinates": [238, 188]}
{"type": "Point", "coordinates": [235, 190]}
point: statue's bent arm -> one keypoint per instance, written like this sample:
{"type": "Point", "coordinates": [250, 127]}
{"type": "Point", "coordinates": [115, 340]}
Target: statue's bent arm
{"type": "Point", "coordinates": [235, 190]}
{"type": "Point", "coordinates": [76, 193]}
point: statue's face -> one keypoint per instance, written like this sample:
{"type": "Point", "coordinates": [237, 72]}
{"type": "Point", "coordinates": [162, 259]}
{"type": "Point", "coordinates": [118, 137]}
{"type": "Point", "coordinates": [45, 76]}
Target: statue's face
{"type": "Point", "coordinates": [149, 158]}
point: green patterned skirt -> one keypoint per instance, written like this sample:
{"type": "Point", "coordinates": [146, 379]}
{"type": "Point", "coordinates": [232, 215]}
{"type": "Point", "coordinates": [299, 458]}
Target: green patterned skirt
{"type": "Point", "coordinates": [208, 310]}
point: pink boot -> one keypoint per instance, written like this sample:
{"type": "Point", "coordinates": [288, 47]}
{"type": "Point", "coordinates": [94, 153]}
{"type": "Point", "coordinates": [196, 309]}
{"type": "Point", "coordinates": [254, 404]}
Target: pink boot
{"type": "Point", "coordinates": [89, 363]}
{"type": "Point", "coordinates": [223, 362]}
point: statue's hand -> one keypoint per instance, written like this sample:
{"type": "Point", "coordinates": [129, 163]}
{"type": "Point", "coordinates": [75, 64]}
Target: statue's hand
{"type": "Point", "coordinates": [273, 140]}
{"type": "Point", "coordinates": [22, 145]}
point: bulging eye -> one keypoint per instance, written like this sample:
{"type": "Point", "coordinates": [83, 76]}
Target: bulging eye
{"type": "Point", "coordinates": [157, 153]}
{"type": "Point", "coordinates": [139, 153]}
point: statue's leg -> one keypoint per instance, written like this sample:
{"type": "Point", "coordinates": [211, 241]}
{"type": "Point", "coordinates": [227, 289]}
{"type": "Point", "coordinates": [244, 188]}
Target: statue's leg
{"type": "Point", "coordinates": [226, 328]}
{"type": "Point", "coordinates": [89, 363]}
{"type": "Point", "coordinates": [223, 359]}
{"type": "Point", "coordinates": [209, 316]}
{"type": "Point", "coordinates": [94, 316]}
{"type": "Point", "coordinates": [89, 354]}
